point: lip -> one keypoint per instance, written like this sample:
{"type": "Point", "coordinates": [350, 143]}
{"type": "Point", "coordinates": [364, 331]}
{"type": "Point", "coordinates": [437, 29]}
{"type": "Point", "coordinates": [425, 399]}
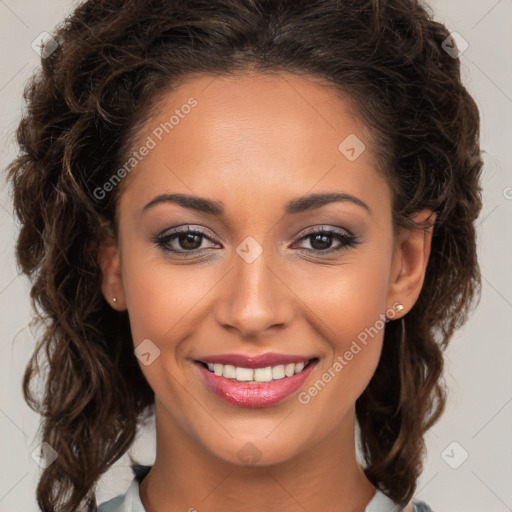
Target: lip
{"type": "Point", "coordinates": [254, 361]}
{"type": "Point", "coordinates": [263, 394]}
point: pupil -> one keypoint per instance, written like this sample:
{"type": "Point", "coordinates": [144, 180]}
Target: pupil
{"type": "Point", "coordinates": [189, 239]}
{"type": "Point", "coordinates": [324, 238]}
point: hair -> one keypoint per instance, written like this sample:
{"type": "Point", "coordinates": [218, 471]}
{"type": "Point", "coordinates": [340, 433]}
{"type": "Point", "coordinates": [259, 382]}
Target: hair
{"type": "Point", "coordinates": [114, 60]}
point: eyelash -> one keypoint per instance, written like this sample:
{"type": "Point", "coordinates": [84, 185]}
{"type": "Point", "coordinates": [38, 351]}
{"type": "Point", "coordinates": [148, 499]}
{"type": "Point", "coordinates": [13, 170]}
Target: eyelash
{"type": "Point", "coordinates": [348, 240]}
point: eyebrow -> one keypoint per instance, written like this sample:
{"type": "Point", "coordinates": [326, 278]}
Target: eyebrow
{"type": "Point", "coordinates": [294, 206]}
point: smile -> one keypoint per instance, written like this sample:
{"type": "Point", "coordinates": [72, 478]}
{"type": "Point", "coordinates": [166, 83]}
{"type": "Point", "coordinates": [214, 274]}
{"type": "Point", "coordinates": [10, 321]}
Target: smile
{"type": "Point", "coordinates": [260, 386]}
{"type": "Point", "coordinates": [256, 375]}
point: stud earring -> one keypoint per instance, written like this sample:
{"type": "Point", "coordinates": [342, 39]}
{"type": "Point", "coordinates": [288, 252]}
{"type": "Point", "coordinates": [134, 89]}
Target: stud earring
{"type": "Point", "coordinates": [114, 299]}
{"type": "Point", "coordinates": [391, 313]}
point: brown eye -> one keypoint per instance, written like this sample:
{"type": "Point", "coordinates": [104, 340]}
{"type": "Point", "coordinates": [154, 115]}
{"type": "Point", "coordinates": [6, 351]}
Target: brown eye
{"type": "Point", "coordinates": [182, 241]}
{"type": "Point", "coordinates": [321, 241]}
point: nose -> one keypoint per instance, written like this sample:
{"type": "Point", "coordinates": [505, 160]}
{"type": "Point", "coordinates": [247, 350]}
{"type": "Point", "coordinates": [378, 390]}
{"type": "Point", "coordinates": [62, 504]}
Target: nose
{"type": "Point", "coordinates": [255, 298]}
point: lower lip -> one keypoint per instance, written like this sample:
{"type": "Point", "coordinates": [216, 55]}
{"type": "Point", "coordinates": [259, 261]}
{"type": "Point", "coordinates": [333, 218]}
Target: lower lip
{"type": "Point", "coordinates": [262, 394]}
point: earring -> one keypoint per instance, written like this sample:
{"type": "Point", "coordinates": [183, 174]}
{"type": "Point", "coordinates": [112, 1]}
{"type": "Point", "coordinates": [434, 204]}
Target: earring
{"type": "Point", "coordinates": [391, 312]}
{"type": "Point", "coordinates": [114, 299]}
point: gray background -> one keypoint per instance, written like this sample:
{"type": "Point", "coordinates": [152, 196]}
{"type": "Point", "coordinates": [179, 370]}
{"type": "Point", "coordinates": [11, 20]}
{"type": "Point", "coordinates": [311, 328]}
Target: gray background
{"type": "Point", "coordinates": [479, 411]}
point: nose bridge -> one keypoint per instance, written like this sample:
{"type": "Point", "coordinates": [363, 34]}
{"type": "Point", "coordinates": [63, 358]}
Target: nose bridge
{"type": "Point", "coordinates": [255, 298]}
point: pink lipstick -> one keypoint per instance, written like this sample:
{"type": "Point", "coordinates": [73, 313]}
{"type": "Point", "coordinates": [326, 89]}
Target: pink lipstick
{"type": "Point", "coordinates": [254, 380]}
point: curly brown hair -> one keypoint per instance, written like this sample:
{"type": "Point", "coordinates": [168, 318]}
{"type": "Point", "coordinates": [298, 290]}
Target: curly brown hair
{"type": "Point", "coordinates": [113, 61]}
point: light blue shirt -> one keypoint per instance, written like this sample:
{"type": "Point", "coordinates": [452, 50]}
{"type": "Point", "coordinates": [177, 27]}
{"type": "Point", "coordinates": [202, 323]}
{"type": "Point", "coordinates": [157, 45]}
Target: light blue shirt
{"type": "Point", "coordinates": [130, 502]}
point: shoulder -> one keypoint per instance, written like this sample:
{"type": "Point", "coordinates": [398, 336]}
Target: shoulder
{"type": "Point", "coordinates": [127, 502]}
{"type": "Point", "coordinates": [113, 505]}
{"type": "Point", "coordinates": [382, 503]}
{"type": "Point", "coordinates": [419, 506]}
{"type": "Point", "coordinates": [130, 500]}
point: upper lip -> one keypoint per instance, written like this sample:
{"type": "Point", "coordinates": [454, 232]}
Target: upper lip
{"type": "Point", "coordinates": [255, 361]}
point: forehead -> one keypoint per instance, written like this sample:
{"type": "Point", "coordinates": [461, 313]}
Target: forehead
{"type": "Point", "coordinates": [254, 138]}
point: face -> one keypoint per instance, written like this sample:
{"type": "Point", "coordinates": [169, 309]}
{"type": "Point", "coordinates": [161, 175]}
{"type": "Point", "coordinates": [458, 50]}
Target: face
{"type": "Point", "coordinates": [258, 271]}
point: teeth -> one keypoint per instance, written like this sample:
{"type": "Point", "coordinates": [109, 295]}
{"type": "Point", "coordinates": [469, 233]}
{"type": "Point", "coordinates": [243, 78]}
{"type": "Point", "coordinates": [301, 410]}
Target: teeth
{"type": "Point", "coordinates": [243, 374]}
{"type": "Point", "coordinates": [229, 371]}
{"type": "Point", "coordinates": [299, 367]}
{"type": "Point", "coordinates": [253, 376]}
{"type": "Point", "coordinates": [263, 374]}
{"type": "Point", "coordinates": [289, 369]}
{"type": "Point", "coordinates": [278, 372]}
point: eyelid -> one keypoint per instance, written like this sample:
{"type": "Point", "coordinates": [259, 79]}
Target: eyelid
{"type": "Point", "coordinates": [321, 228]}
{"type": "Point", "coordinates": [348, 239]}
{"type": "Point", "coordinates": [344, 236]}
{"type": "Point", "coordinates": [169, 234]}
{"type": "Point", "coordinates": [186, 228]}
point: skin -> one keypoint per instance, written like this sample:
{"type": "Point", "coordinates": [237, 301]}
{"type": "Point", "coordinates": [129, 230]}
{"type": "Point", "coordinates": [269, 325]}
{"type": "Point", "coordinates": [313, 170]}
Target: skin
{"type": "Point", "coordinates": [255, 142]}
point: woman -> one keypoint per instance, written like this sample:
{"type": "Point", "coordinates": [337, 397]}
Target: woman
{"type": "Point", "coordinates": [254, 219]}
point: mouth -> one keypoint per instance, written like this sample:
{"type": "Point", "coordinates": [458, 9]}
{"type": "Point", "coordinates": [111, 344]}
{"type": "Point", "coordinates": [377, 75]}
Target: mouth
{"type": "Point", "coordinates": [255, 387]}
{"type": "Point", "coordinates": [257, 375]}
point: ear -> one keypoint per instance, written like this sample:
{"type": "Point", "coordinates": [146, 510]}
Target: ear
{"type": "Point", "coordinates": [111, 283]}
{"type": "Point", "coordinates": [410, 259]}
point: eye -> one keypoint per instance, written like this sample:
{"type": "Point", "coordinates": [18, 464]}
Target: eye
{"type": "Point", "coordinates": [182, 240]}
{"type": "Point", "coordinates": [321, 240]}
{"type": "Point", "coordinates": [185, 241]}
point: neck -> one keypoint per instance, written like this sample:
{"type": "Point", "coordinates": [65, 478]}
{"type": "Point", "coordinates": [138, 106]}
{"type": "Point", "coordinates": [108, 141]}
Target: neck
{"type": "Point", "coordinates": [186, 476]}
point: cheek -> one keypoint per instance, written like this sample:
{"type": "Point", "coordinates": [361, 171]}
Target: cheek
{"type": "Point", "coordinates": [161, 298]}
{"type": "Point", "coordinates": [346, 299]}
{"type": "Point", "coordinates": [348, 309]}
{"type": "Point", "coordinates": [162, 303]}
{"type": "Point", "coordinates": [166, 304]}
